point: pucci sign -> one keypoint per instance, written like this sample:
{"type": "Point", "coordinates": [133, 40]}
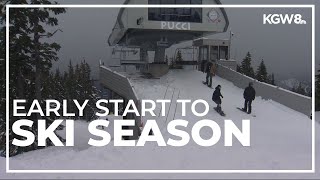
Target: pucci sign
{"type": "Point", "coordinates": [175, 25]}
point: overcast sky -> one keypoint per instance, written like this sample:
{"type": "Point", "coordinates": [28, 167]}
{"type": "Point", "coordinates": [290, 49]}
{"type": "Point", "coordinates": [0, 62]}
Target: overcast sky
{"type": "Point", "coordinates": [286, 49]}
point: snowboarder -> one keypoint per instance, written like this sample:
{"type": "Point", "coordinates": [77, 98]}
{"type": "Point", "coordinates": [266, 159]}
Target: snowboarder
{"type": "Point", "coordinates": [216, 98]}
{"type": "Point", "coordinates": [249, 95]}
{"type": "Point", "coordinates": [210, 70]}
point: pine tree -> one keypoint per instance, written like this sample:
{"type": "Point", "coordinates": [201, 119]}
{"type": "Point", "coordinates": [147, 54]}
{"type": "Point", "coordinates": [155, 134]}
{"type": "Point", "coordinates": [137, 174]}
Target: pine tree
{"type": "Point", "coordinates": [299, 89]}
{"type": "Point", "coordinates": [272, 80]}
{"type": "Point", "coordinates": [59, 92]}
{"type": "Point", "coordinates": [2, 84]}
{"type": "Point", "coordinates": [262, 74]}
{"type": "Point", "coordinates": [89, 91]}
{"type": "Point", "coordinates": [239, 69]}
{"type": "Point", "coordinates": [179, 56]}
{"type": "Point", "coordinates": [318, 91]}
{"type": "Point", "coordinates": [70, 85]}
{"type": "Point", "coordinates": [31, 57]}
{"type": "Point", "coordinates": [18, 65]}
{"type": "Point", "coordinates": [246, 67]}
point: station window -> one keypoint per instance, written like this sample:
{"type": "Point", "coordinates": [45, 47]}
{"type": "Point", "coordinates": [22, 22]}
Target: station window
{"type": "Point", "coordinates": [224, 52]}
{"type": "Point", "coordinates": [214, 53]}
{"type": "Point", "coordinates": [203, 53]}
{"type": "Point", "coordinates": [175, 14]}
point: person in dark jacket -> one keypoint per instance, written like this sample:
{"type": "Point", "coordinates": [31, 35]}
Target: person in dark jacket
{"type": "Point", "coordinates": [249, 95]}
{"type": "Point", "coordinates": [216, 97]}
{"type": "Point", "coordinates": [209, 74]}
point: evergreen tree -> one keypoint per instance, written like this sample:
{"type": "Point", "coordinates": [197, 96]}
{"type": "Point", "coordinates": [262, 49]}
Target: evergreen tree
{"type": "Point", "coordinates": [179, 56]}
{"type": "Point", "coordinates": [18, 65]}
{"type": "Point", "coordinates": [2, 84]}
{"type": "Point", "coordinates": [318, 91]}
{"type": "Point", "coordinates": [31, 57]}
{"type": "Point", "coordinates": [272, 80]}
{"type": "Point", "coordinates": [299, 89]}
{"type": "Point", "coordinates": [246, 67]}
{"type": "Point", "coordinates": [70, 85]}
{"type": "Point", "coordinates": [59, 92]}
{"type": "Point", "coordinates": [239, 69]}
{"type": "Point", "coordinates": [262, 74]}
{"type": "Point", "coordinates": [89, 92]}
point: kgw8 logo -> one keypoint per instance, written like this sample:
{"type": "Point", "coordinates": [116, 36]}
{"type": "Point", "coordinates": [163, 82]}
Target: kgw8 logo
{"type": "Point", "coordinates": [283, 19]}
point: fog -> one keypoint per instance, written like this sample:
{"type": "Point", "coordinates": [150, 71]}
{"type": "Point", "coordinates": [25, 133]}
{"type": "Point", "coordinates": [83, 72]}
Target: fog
{"type": "Point", "coordinates": [286, 49]}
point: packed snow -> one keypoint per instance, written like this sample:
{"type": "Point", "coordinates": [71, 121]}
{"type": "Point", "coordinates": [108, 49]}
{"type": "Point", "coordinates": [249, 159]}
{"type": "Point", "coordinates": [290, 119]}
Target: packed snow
{"type": "Point", "coordinates": [280, 139]}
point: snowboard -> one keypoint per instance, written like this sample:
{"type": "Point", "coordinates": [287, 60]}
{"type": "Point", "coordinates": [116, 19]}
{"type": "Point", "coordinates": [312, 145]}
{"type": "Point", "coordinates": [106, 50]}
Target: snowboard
{"type": "Point", "coordinates": [219, 112]}
{"type": "Point", "coordinates": [245, 112]}
{"type": "Point", "coordinates": [204, 83]}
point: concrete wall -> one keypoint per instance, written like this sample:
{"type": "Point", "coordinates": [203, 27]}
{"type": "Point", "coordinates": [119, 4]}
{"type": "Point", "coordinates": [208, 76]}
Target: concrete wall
{"type": "Point", "coordinates": [122, 86]}
{"type": "Point", "coordinates": [290, 99]}
{"type": "Point", "coordinates": [228, 63]}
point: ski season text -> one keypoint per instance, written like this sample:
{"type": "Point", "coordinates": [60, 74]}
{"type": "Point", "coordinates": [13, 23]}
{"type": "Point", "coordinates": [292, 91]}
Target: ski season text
{"type": "Point", "coordinates": [102, 138]}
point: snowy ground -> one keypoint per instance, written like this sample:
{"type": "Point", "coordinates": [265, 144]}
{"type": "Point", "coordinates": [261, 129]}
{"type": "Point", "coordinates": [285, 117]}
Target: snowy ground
{"type": "Point", "coordinates": [280, 139]}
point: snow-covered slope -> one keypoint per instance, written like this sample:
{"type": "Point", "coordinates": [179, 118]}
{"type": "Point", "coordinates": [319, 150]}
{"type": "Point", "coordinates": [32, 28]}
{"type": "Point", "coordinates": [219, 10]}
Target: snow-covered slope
{"type": "Point", "coordinates": [280, 139]}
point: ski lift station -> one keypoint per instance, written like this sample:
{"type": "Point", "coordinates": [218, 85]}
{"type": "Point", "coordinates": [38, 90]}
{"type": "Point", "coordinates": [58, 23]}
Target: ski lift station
{"type": "Point", "coordinates": [141, 36]}
{"type": "Point", "coordinates": [148, 32]}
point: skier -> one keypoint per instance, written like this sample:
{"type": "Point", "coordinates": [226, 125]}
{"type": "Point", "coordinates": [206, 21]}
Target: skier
{"type": "Point", "coordinates": [216, 98]}
{"type": "Point", "coordinates": [249, 95]}
{"type": "Point", "coordinates": [210, 70]}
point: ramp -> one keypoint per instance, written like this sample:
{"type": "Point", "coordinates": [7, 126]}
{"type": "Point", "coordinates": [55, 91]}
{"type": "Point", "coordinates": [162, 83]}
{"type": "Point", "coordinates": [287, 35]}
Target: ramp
{"type": "Point", "coordinates": [121, 85]}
